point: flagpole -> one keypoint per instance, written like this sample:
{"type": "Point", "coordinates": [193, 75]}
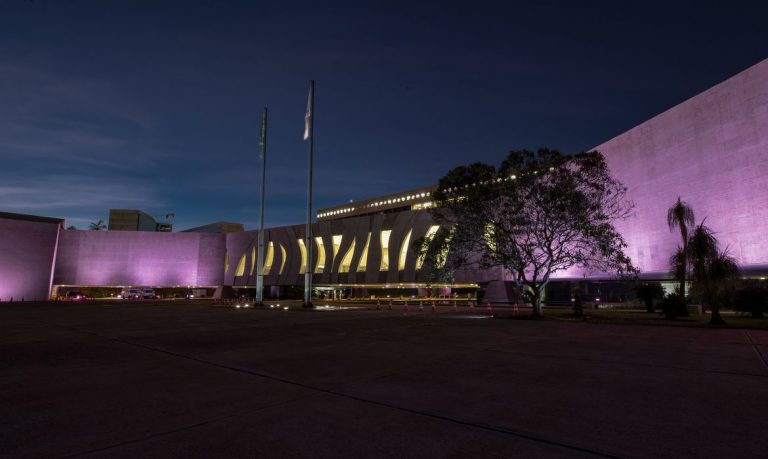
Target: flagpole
{"type": "Point", "coordinates": [309, 120]}
{"type": "Point", "coordinates": [260, 253]}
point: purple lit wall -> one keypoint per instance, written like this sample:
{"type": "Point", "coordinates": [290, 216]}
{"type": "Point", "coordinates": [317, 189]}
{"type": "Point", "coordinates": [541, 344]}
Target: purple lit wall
{"type": "Point", "coordinates": [26, 258]}
{"type": "Point", "coordinates": [712, 151]}
{"type": "Point", "coordinates": [122, 258]}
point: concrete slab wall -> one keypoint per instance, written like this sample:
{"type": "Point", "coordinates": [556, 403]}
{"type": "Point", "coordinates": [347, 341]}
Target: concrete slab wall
{"type": "Point", "coordinates": [119, 258]}
{"type": "Point", "coordinates": [712, 151]}
{"type": "Point", "coordinates": [26, 258]}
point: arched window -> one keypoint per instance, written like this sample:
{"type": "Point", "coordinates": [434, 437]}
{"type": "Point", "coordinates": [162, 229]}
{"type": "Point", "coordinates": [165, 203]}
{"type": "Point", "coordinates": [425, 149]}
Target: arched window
{"type": "Point", "coordinates": [404, 251]}
{"type": "Point", "coordinates": [320, 267]}
{"type": "Point", "coordinates": [269, 259]}
{"type": "Point", "coordinates": [346, 260]}
{"type": "Point", "coordinates": [363, 263]}
{"type": "Point", "coordinates": [385, 250]}
{"type": "Point", "coordinates": [303, 250]}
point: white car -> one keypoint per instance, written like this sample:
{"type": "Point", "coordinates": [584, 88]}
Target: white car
{"type": "Point", "coordinates": [130, 294]}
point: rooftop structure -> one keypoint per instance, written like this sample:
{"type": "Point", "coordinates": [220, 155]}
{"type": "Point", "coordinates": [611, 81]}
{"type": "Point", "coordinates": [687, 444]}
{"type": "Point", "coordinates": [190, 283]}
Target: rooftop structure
{"type": "Point", "coordinates": [416, 199]}
{"type": "Point", "coordinates": [134, 220]}
{"type": "Point", "coordinates": [217, 227]}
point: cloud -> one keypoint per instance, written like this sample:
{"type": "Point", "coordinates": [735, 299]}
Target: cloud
{"type": "Point", "coordinates": [68, 119]}
{"type": "Point", "coordinates": [78, 196]}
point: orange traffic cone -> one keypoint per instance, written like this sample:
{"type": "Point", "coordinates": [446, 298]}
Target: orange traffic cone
{"type": "Point", "coordinates": [515, 309]}
{"type": "Point", "coordinates": [434, 309]}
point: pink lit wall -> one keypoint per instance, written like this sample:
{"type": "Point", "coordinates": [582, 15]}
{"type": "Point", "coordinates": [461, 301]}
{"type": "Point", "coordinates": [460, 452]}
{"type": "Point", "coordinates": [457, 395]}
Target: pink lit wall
{"type": "Point", "coordinates": [122, 258]}
{"type": "Point", "coordinates": [712, 151]}
{"type": "Point", "coordinates": [26, 258]}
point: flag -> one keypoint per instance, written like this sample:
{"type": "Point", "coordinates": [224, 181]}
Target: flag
{"type": "Point", "coordinates": [308, 114]}
{"type": "Point", "coordinates": [263, 135]}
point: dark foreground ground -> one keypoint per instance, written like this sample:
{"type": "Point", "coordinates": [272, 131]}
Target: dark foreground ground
{"type": "Point", "coordinates": [181, 380]}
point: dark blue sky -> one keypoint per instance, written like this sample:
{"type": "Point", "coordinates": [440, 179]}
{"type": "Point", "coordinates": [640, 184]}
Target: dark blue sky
{"type": "Point", "coordinates": [155, 105]}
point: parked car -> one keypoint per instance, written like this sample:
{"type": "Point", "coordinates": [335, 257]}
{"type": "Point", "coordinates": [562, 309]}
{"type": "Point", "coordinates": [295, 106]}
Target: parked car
{"type": "Point", "coordinates": [192, 293]}
{"type": "Point", "coordinates": [74, 295]}
{"type": "Point", "coordinates": [130, 294]}
{"type": "Point", "coordinates": [149, 294]}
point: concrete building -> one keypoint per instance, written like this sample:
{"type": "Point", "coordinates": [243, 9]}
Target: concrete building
{"type": "Point", "coordinates": [217, 227]}
{"type": "Point", "coordinates": [711, 150]}
{"type": "Point", "coordinates": [130, 220]}
{"type": "Point", "coordinates": [28, 250]}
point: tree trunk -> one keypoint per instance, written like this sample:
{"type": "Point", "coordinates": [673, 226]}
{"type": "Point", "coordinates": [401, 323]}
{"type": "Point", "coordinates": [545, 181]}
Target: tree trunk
{"type": "Point", "coordinates": [716, 318]}
{"type": "Point", "coordinates": [682, 279]}
{"type": "Point", "coordinates": [649, 305]}
{"type": "Point", "coordinates": [538, 310]}
{"type": "Point", "coordinates": [685, 264]}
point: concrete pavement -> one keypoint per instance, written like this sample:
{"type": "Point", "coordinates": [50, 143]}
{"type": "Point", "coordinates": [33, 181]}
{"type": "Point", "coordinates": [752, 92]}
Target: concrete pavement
{"type": "Point", "coordinates": [191, 380]}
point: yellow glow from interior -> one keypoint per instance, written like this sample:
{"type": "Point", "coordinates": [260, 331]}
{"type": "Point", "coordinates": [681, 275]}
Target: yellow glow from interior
{"type": "Point", "coordinates": [240, 266]}
{"type": "Point", "coordinates": [422, 205]}
{"type": "Point", "coordinates": [269, 260]}
{"type": "Point", "coordinates": [444, 253]}
{"type": "Point", "coordinates": [336, 239]}
{"type": "Point", "coordinates": [282, 263]}
{"type": "Point", "coordinates": [404, 251]}
{"type": "Point", "coordinates": [303, 251]}
{"type": "Point", "coordinates": [226, 262]}
{"type": "Point", "coordinates": [253, 260]}
{"type": "Point", "coordinates": [385, 250]}
{"type": "Point", "coordinates": [489, 237]}
{"type": "Point", "coordinates": [363, 263]}
{"type": "Point", "coordinates": [320, 267]}
{"type": "Point", "coordinates": [430, 234]}
{"type": "Point", "coordinates": [346, 260]}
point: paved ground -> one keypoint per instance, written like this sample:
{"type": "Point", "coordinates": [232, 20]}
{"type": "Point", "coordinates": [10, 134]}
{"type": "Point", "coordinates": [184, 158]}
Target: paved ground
{"type": "Point", "coordinates": [200, 381]}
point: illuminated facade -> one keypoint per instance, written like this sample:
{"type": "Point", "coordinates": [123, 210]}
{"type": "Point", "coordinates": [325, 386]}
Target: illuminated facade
{"type": "Point", "coordinates": [711, 150]}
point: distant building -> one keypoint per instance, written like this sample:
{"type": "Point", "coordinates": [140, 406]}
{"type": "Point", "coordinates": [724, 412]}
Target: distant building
{"type": "Point", "coordinates": [135, 220]}
{"type": "Point", "coordinates": [217, 227]}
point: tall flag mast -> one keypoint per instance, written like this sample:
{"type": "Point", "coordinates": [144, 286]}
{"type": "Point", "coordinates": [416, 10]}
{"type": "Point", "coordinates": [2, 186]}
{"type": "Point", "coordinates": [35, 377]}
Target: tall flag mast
{"type": "Point", "coordinates": [308, 134]}
{"type": "Point", "coordinates": [260, 254]}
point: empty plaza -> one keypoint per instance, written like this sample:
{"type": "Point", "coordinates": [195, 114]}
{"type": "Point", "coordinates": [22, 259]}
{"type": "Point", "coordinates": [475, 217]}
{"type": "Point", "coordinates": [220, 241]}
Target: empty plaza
{"type": "Point", "coordinates": [197, 380]}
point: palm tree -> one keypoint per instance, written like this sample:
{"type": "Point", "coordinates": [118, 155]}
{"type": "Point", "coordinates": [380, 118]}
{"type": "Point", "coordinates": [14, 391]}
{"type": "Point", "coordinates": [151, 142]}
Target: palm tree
{"type": "Point", "coordinates": [712, 269]}
{"type": "Point", "coordinates": [680, 215]}
{"type": "Point", "coordinates": [97, 226]}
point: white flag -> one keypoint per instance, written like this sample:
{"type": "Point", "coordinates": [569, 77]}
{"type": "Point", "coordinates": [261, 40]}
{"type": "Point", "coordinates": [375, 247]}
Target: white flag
{"type": "Point", "coordinates": [308, 115]}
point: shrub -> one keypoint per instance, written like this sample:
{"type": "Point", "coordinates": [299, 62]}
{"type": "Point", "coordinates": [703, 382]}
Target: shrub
{"type": "Point", "coordinates": [649, 291]}
{"type": "Point", "coordinates": [673, 306]}
{"type": "Point", "coordinates": [752, 300]}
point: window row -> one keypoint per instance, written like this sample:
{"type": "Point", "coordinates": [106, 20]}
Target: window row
{"type": "Point", "coordinates": [322, 255]}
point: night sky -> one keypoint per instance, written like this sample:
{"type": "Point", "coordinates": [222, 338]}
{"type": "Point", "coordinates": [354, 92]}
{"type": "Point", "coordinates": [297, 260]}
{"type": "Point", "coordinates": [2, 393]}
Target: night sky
{"type": "Point", "coordinates": [155, 104]}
